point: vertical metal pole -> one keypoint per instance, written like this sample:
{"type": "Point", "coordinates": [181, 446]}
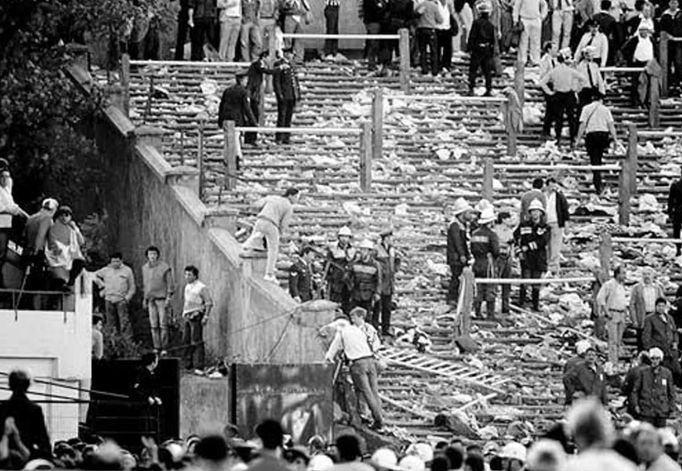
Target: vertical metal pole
{"type": "Point", "coordinates": [125, 82]}
{"type": "Point", "coordinates": [663, 60]}
{"type": "Point", "coordinates": [366, 156]}
{"type": "Point", "coordinates": [404, 48]}
{"type": "Point", "coordinates": [378, 123]}
{"type": "Point", "coordinates": [200, 159]}
{"type": "Point", "coordinates": [230, 154]}
{"type": "Point", "coordinates": [488, 179]}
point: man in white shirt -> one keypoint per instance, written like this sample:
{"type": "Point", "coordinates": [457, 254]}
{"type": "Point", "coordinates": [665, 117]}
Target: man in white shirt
{"type": "Point", "coordinates": [197, 305]}
{"type": "Point", "coordinates": [557, 215]}
{"type": "Point", "coordinates": [359, 343]}
{"type": "Point", "coordinates": [597, 40]}
{"type": "Point", "coordinates": [230, 26]}
{"type": "Point", "coordinates": [562, 22]}
{"type": "Point", "coordinates": [530, 13]}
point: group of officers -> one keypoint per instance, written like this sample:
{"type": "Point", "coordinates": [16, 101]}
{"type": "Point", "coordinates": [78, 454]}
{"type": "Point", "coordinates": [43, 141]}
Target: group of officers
{"type": "Point", "coordinates": [352, 276]}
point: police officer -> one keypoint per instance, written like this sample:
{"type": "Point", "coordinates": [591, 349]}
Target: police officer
{"type": "Point", "coordinates": [389, 260]}
{"type": "Point", "coordinates": [301, 276]}
{"type": "Point", "coordinates": [531, 239]}
{"type": "Point", "coordinates": [481, 48]}
{"type": "Point", "coordinates": [339, 255]}
{"type": "Point", "coordinates": [235, 106]}
{"type": "Point", "coordinates": [485, 248]}
{"type": "Point", "coordinates": [254, 86]}
{"type": "Point", "coordinates": [365, 278]}
{"type": "Point", "coordinates": [458, 254]}
{"type": "Point", "coordinates": [287, 92]}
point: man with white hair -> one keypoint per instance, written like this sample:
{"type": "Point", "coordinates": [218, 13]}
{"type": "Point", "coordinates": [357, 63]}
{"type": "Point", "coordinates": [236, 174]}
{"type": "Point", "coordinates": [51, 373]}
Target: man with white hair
{"type": "Point", "coordinates": [649, 445]}
{"type": "Point", "coordinates": [653, 395]}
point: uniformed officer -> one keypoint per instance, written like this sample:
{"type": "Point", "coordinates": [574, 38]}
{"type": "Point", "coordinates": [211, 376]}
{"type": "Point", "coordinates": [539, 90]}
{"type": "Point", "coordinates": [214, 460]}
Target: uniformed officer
{"type": "Point", "coordinates": [235, 106]}
{"type": "Point", "coordinates": [287, 92]}
{"type": "Point", "coordinates": [458, 254]}
{"type": "Point", "coordinates": [481, 48]}
{"type": "Point", "coordinates": [254, 86]}
{"type": "Point", "coordinates": [365, 278]}
{"type": "Point", "coordinates": [485, 248]}
{"type": "Point", "coordinates": [389, 260]}
{"type": "Point", "coordinates": [301, 276]}
{"type": "Point", "coordinates": [339, 255]}
{"type": "Point", "coordinates": [531, 239]}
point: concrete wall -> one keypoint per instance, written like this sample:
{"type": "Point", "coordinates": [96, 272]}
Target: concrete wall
{"type": "Point", "coordinates": [55, 346]}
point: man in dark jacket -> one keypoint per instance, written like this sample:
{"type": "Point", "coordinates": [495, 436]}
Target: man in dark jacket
{"type": "Point", "coordinates": [458, 254]}
{"type": "Point", "coordinates": [485, 248]}
{"type": "Point", "coordinates": [254, 88]}
{"type": "Point", "coordinates": [589, 378]}
{"type": "Point", "coordinates": [339, 256]}
{"type": "Point", "coordinates": [611, 29]}
{"type": "Point", "coordinates": [581, 348]}
{"type": "Point", "coordinates": [557, 216]}
{"type": "Point", "coordinates": [287, 92]}
{"type": "Point", "coordinates": [660, 331]}
{"type": "Point", "coordinates": [365, 278]}
{"type": "Point", "coordinates": [481, 48]}
{"type": "Point", "coordinates": [398, 15]}
{"type": "Point", "coordinates": [653, 395]}
{"type": "Point", "coordinates": [373, 15]}
{"type": "Point", "coordinates": [675, 210]}
{"type": "Point", "coordinates": [632, 377]}
{"type": "Point", "coordinates": [301, 276]}
{"type": "Point", "coordinates": [201, 19]}
{"type": "Point", "coordinates": [234, 106]}
{"type": "Point", "coordinates": [389, 261]}
{"type": "Point", "coordinates": [183, 28]}
{"type": "Point", "coordinates": [531, 238]}
{"type": "Point", "coordinates": [28, 416]}
{"type": "Point", "coordinates": [671, 23]}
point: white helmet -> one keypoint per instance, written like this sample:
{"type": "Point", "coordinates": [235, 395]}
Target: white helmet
{"type": "Point", "coordinates": [514, 451]}
{"type": "Point", "coordinates": [345, 231]}
{"type": "Point", "coordinates": [536, 204]}
{"type": "Point", "coordinates": [582, 346]}
{"type": "Point", "coordinates": [385, 458]}
{"type": "Point", "coordinates": [487, 215]}
{"type": "Point", "coordinates": [366, 244]}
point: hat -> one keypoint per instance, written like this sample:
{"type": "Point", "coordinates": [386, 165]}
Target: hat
{"type": "Point", "coordinates": [536, 204]}
{"type": "Point", "coordinates": [385, 458]}
{"type": "Point", "coordinates": [49, 203]}
{"type": "Point", "coordinates": [320, 463]}
{"type": "Point", "coordinates": [461, 205]}
{"type": "Point", "coordinates": [655, 353]}
{"type": "Point", "coordinates": [366, 244]}
{"type": "Point", "coordinates": [422, 450]}
{"type": "Point", "coordinates": [484, 7]}
{"type": "Point", "coordinates": [514, 451]}
{"type": "Point", "coordinates": [582, 346]}
{"type": "Point", "coordinates": [345, 231]}
{"type": "Point", "coordinates": [412, 463]}
{"type": "Point", "coordinates": [488, 215]}
{"type": "Point", "coordinates": [491, 448]}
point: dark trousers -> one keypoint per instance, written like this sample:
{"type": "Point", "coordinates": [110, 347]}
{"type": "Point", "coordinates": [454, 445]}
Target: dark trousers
{"type": "Point", "coordinates": [4, 240]}
{"type": "Point", "coordinates": [250, 137]}
{"type": "Point", "coordinates": [372, 45]}
{"type": "Point", "coordinates": [285, 111]}
{"type": "Point", "coordinates": [675, 63]}
{"type": "Point", "coordinates": [193, 340]}
{"type": "Point", "coordinates": [331, 15]}
{"type": "Point", "coordinates": [453, 291]}
{"type": "Point", "coordinates": [485, 293]}
{"type": "Point", "coordinates": [386, 48]}
{"type": "Point", "coordinates": [565, 104]}
{"type": "Point", "coordinates": [595, 144]}
{"type": "Point", "coordinates": [428, 50]}
{"type": "Point", "coordinates": [341, 296]}
{"type": "Point", "coordinates": [535, 274]}
{"type": "Point", "coordinates": [677, 225]}
{"type": "Point", "coordinates": [503, 268]}
{"type": "Point", "coordinates": [183, 18]}
{"type": "Point", "coordinates": [444, 37]}
{"type": "Point", "coordinates": [383, 309]}
{"type": "Point", "coordinates": [549, 114]}
{"type": "Point", "coordinates": [481, 58]}
{"type": "Point", "coordinates": [116, 314]}
{"type": "Point", "coordinates": [199, 35]}
{"type": "Point", "coordinates": [634, 83]}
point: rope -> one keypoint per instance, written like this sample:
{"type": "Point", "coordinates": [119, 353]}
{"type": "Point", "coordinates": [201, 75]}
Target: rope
{"type": "Point", "coordinates": [279, 339]}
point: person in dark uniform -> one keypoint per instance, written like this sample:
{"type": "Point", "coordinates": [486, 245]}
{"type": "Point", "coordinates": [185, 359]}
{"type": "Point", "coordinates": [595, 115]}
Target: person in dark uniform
{"type": "Point", "coordinates": [339, 255]}
{"type": "Point", "coordinates": [389, 260]}
{"type": "Point", "coordinates": [458, 255]}
{"type": "Point", "coordinates": [301, 276]}
{"type": "Point", "coordinates": [235, 106]}
{"type": "Point", "coordinates": [287, 92]}
{"type": "Point", "coordinates": [532, 237]}
{"type": "Point", "coordinates": [485, 248]}
{"type": "Point", "coordinates": [481, 48]}
{"type": "Point", "coordinates": [254, 86]}
{"type": "Point", "coordinates": [588, 378]}
{"type": "Point", "coordinates": [201, 19]}
{"type": "Point", "coordinates": [27, 416]}
{"type": "Point", "coordinates": [146, 389]}
{"type": "Point", "coordinates": [183, 27]}
{"type": "Point", "coordinates": [365, 278]}
{"type": "Point", "coordinates": [675, 210]}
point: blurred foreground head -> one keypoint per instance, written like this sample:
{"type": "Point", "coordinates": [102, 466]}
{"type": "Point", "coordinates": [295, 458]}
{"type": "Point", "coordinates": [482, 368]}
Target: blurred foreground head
{"type": "Point", "coordinates": [589, 425]}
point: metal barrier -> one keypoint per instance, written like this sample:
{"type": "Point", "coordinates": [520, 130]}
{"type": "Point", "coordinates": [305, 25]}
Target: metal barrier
{"type": "Point", "coordinates": [654, 105]}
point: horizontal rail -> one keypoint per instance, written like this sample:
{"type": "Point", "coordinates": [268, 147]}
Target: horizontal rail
{"type": "Point", "coordinates": [555, 167]}
{"type": "Point", "coordinates": [464, 99]}
{"type": "Point", "coordinates": [339, 36]}
{"type": "Point", "coordinates": [675, 39]}
{"type": "Point", "coordinates": [312, 130]}
{"type": "Point", "coordinates": [532, 281]}
{"type": "Point", "coordinates": [190, 63]}
{"type": "Point", "coordinates": [621, 69]}
{"type": "Point", "coordinates": [662, 240]}
{"type": "Point", "coordinates": [659, 133]}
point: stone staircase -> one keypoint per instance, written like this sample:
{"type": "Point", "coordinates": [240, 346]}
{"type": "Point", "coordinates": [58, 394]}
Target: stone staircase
{"type": "Point", "coordinates": [433, 153]}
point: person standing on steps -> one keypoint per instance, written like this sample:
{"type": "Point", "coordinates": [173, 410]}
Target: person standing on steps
{"type": "Point", "coordinates": [254, 87]}
{"type": "Point", "coordinates": [197, 305]}
{"type": "Point", "coordinates": [339, 256]}
{"type": "Point", "coordinates": [597, 125]}
{"type": "Point", "coordinates": [562, 22]}
{"type": "Point", "coordinates": [613, 306]}
{"type": "Point", "coordinates": [588, 378]}
{"type": "Point", "coordinates": [235, 106]}
{"type": "Point", "coordinates": [331, 15]}
{"type": "Point", "coordinates": [597, 41]}
{"type": "Point", "coordinates": [481, 46]}
{"type": "Point", "coordinates": [428, 20]}
{"type": "Point", "coordinates": [117, 284]}
{"type": "Point", "coordinates": [250, 36]}
{"type": "Point", "coordinates": [485, 248]}
{"type": "Point", "coordinates": [675, 210]}
{"type": "Point", "coordinates": [535, 193]}
{"type": "Point", "coordinates": [301, 276]}
{"type": "Point", "coordinates": [643, 301]}
{"type": "Point", "coordinates": [653, 395]}
{"type": "Point", "coordinates": [365, 278]}
{"type": "Point", "coordinates": [201, 19]}
{"type": "Point", "coordinates": [504, 229]}
{"type": "Point", "coordinates": [158, 287]}
{"type": "Point", "coordinates": [557, 217]}
{"type": "Point", "coordinates": [272, 221]}
{"type": "Point", "coordinates": [230, 16]}
{"type": "Point", "coordinates": [389, 261]}
{"type": "Point", "coordinates": [530, 13]}
{"type": "Point", "coordinates": [287, 92]}
{"type": "Point", "coordinates": [660, 331]}
{"type": "Point", "coordinates": [595, 82]}
{"type": "Point", "coordinates": [458, 252]}
{"type": "Point", "coordinates": [532, 237]}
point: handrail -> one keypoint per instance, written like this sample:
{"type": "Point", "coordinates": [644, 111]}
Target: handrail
{"type": "Point", "coordinates": [659, 133]}
{"type": "Point", "coordinates": [662, 240]}
{"type": "Point", "coordinates": [532, 281]}
{"type": "Point", "coordinates": [295, 130]}
{"type": "Point", "coordinates": [604, 167]}
{"type": "Point", "coordinates": [613, 69]}
{"type": "Point", "coordinates": [463, 99]}
{"type": "Point", "coordinates": [339, 36]}
{"type": "Point", "coordinates": [73, 388]}
{"type": "Point", "coordinates": [189, 63]}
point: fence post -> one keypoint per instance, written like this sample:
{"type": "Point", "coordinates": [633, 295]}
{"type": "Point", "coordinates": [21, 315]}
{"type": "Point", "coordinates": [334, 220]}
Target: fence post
{"type": "Point", "coordinates": [605, 253]}
{"type": "Point", "coordinates": [520, 81]}
{"type": "Point", "coordinates": [663, 59]}
{"type": "Point", "coordinates": [512, 135]}
{"type": "Point", "coordinates": [366, 156]}
{"type": "Point", "coordinates": [654, 104]}
{"type": "Point", "coordinates": [404, 48]}
{"type": "Point", "coordinates": [230, 154]}
{"type": "Point", "coordinates": [125, 82]}
{"type": "Point", "coordinates": [378, 123]}
{"type": "Point", "coordinates": [624, 194]}
{"type": "Point", "coordinates": [488, 179]}
{"type": "Point", "coordinates": [200, 160]}
{"type": "Point", "coordinates": [631, 157]}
